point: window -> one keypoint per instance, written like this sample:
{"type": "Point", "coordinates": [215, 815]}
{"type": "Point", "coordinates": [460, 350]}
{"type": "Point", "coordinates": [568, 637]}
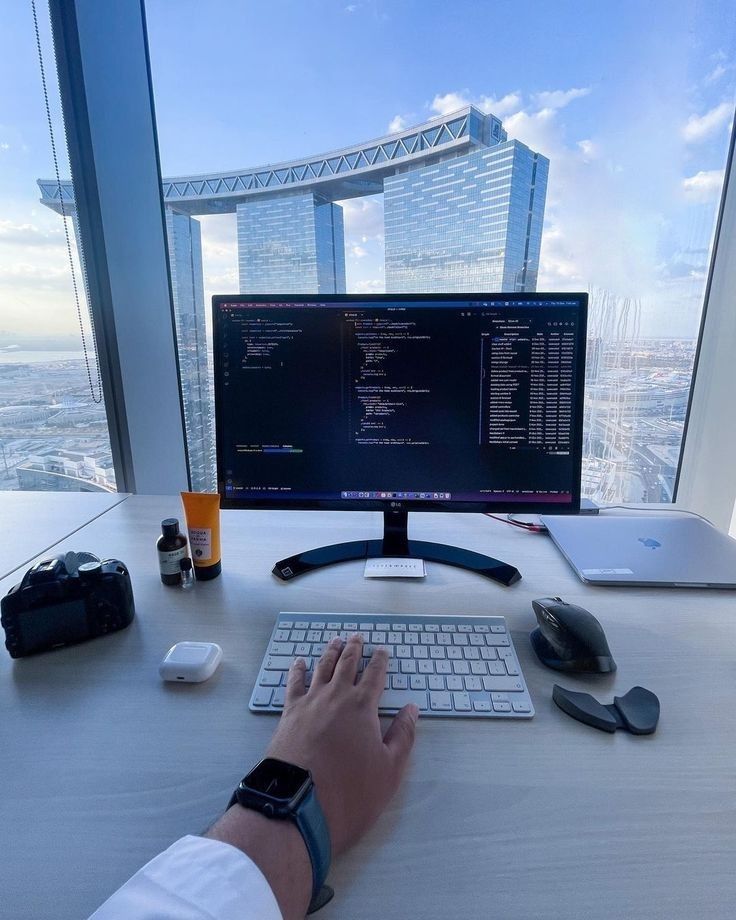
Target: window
{"type": "Point", "coordinates": [53, 427]}
{"type": "Point", "coordinates": [359, 145]}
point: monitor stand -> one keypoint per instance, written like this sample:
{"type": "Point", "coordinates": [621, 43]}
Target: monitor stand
{"type": "Point", "coordinates": [396, 543]}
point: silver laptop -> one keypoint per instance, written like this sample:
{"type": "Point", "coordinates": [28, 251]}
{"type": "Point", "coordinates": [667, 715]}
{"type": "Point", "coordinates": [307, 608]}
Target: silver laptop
{"type": "Point", "coordinates": [652, 548]}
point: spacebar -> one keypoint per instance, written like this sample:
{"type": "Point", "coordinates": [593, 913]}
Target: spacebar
{"type": "Point", "coordinates": [395, 699]}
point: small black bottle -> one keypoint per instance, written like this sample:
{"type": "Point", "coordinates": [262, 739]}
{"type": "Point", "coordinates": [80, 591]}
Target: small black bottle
{"type": "Point", "coordinates": [172, 548]}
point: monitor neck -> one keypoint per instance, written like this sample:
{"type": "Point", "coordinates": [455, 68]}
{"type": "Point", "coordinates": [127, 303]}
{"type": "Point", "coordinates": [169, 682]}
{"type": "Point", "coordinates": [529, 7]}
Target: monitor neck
{"type": "Point", "coordinates": [395, 533]}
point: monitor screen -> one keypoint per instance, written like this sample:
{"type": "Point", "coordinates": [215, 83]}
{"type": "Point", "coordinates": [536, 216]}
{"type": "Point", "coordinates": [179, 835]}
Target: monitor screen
{"type": "Point", "coordinates": [470, 402]}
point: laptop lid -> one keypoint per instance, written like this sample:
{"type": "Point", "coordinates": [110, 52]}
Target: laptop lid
{"type": "Point", "coordinates": [652, 548]}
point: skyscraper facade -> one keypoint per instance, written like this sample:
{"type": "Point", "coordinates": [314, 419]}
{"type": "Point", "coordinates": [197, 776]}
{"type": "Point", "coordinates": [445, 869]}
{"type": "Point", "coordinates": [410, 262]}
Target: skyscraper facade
{"type": "Point", "coordinates": [185, 260]}
{"type": "Point", "coordinates": [291, 244]}
{"type": "Point", "coordinates": [470, 223]}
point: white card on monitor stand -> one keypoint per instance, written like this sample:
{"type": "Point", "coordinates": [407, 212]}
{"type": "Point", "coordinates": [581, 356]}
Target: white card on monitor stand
{"type": "Point", "coordinates": [394, 568]}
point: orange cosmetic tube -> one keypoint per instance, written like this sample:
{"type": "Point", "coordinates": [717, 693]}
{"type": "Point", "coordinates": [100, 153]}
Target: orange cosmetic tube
{"type": "Point", "coordinates": [202, 513]}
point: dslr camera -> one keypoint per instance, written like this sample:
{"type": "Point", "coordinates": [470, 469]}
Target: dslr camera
{"type": "Point", "coordinates": [66, 600]}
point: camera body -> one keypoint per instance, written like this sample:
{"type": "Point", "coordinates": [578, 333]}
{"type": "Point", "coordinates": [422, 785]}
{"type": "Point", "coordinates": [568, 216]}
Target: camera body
{"type": "Point", "coordinates": [66, 600]}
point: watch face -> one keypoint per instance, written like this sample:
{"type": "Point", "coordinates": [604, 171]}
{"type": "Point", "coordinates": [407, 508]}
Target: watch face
{"type": "Point", "coordinates": [277, 779]}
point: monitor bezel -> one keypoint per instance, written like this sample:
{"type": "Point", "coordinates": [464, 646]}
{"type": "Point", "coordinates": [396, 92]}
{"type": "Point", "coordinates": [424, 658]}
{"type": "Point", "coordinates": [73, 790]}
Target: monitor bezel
{"type": "Point", "coordinates": [290, 504]}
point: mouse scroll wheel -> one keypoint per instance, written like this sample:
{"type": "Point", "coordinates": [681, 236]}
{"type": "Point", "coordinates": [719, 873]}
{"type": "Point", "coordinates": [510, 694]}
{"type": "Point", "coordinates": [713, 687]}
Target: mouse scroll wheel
{"type": "Point", "coordinates": [552, 621]}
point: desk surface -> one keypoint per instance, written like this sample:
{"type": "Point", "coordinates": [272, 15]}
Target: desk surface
{"type": "Point", "coordinates": [102, 765]}
{"type": "Point", "coordinates": [34, 521]}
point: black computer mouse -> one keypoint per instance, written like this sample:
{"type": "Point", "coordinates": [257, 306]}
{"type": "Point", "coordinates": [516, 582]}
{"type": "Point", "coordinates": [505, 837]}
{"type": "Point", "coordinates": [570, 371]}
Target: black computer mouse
{"type": "Point", "coordinates": [569, 638]}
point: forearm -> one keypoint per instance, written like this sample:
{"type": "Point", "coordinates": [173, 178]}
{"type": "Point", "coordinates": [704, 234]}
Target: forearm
{"type": "Point", "coordinates": [277, 848]}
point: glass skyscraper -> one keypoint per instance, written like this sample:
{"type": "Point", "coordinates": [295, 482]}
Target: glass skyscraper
{"type": "Point", "coordinates": [292, 244]}
{"type": "Point", "coordinates": [185, 260]}
{"type": "Point", "coordinates": [470, 223]}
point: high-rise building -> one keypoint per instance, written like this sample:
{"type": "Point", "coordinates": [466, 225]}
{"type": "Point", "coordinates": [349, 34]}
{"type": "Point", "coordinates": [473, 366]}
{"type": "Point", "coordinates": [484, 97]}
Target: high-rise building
{"type": "Point", "coordinates": [185, 260]}
{"type": "Point", "coordinates": [470, 223]}
{"type": "Point", "coordinates": [291, 244]}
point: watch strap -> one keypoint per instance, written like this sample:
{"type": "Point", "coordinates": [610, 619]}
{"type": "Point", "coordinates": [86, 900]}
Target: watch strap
{"type": "Point", "coordinates": [310, 820]}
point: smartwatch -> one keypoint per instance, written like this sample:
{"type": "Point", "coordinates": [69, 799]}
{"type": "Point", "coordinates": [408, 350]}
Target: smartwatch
{"type": "Point", "coordinates": [284, 791]}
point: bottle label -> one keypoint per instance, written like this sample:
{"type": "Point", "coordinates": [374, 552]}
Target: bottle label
{"type": "Point", "coordinates": [200, 540]}
{"type": "Point", "coordinates": [169, 561]}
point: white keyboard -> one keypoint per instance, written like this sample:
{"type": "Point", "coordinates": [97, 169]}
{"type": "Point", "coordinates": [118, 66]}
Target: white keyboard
{"type": "Point", "coordinates": [448, 666]}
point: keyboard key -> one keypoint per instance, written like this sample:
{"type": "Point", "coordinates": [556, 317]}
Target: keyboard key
{"type": "Point", "coordinates": [411, 638]}
{"type": "Point", "coordinates": [481, 629]}
{"type": "Point", "coordinates": [286, 624]}
{"type": "Point", "coordinates": [436, 682]}
{"type": "Point", "coordinates": [366, 627]}
{"type": "Point", "coordinates": [415, 627]}
{"type": "Point", "coordinates": [270, 678]}
{"type": "Point", "coordinates": [512, 668]}
{"type": "Point", "coordinates": [420, 651]}
{"type": "Point", "coordinates": [303, 649]}
{"type": "Point", "coordinates": [444, 639]}
{"type": "Point", "coordinates": [316, 624]}
{"type": "Point", "coordinates": [470, 653]}
{"type": "Point", "coordinates": [426, 667]}
{"type": "Point", "coordinates": [502, 707]}
{"type": "Point", "coordinates": [400, 682]}
{"type": "Point", "coordinates": [461, 667]}
{"type": "Point", "coordinates": [476, 639]}
{"type": "Point", "coordinates": [522, 706]}
{"type": "Point", "coordinates": [314, 635]}
{"type": "Point", "coordinates": [282, 648]}
{"type": "Point", "coordinates": [512, 684]}
{"type": "Point", "coordinates": [496, 667]}
{"type": "Point", "coordinates": [318, 649]}
{"type": "Point", "coordinates": [481, 706]}
{"type": "Point", "coordinates": [473, 683]}
{"type": "Point", "coordinates": [393, 699]}
{"type": "Point", "coordinates": [393, 666]}
{"type": "Point", "coordinates": [333, 625]}
{"type": "Point", "coordinates": [297, 635]}
{"type": "Point", "coordinates": [427, 638]}
{"type": "Point", "coordinates": [447, 627]}
{"type": "Point", "coordinates": [281, 635]}
{"type": "Point", "coordinates": [493, 639]}
{"type": "Point", "coordinates": [279, 698]}
{"type": "Point", "coordinates": [398, 627]}
{"type": "Point", "coordinates": [455, 653]}
{"type": "Point", "coordinates": [478, 667]}
{"type": "Point", "coordinates": [500, 628]}
{"type": "Point", "coordinates": [454, 683]}
{"type": "Point", "coordinates": [459, 639]}
{"type": "Point", "coordinates": [262, 696]}
{"type": "Point", "coordinates": [437, 651]}
{"type": "Point", "coordinates": [396, 638]}
{"type": "Point", "coordinates": [302, 624]}
{"type": "Point", "coordinates": [440, 701]}
{"type": "Point", "coordinates": [488, 654]}
{"type": "Point", "coordinates": [432, 627]}
{"type": "Point", "coordinates": [443, 667]}
{"type": "Point", "coordinates": [408, 666]}
{"type": "Point", "coordinates": [461, 702]}
{"type": "Point", "coordinates": [465, 628]}
{"type": "Point", "coordinates": [378, 638]}
{"type": "Point", "coordinates": [403, 651]}
{"type": "Point", "coordinates": [278, 662]}
{"type": "Point", "coordinates": [418, 682]}
{"type": "Point", "coordinates": [350, 627]}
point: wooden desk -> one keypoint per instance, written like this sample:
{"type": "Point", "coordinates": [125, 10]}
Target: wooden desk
{"type": "Point", "coordinates": [102, 765]}
{"type": "Point", "coordinates": [34, 521]}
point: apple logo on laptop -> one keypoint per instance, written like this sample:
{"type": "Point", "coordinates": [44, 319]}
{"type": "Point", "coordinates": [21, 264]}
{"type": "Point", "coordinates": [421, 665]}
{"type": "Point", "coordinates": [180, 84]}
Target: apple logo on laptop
{"type": "Point", "coordinates": [649, 542]}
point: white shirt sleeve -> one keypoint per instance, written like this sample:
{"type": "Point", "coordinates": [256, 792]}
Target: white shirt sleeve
{"type": "Point", "coordinates": [195, 879]}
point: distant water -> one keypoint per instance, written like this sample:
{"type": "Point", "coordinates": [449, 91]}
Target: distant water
{"type": "Point", "coordinates": [38, 357]}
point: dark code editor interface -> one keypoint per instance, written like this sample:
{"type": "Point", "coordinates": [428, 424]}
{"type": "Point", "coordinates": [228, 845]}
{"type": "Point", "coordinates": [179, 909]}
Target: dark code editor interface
{"type": "Point", "coordinates": [469, 402]}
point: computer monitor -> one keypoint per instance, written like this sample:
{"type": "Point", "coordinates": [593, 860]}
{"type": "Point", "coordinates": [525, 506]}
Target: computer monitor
{"type": "Point", "coordinates": [398, 403]}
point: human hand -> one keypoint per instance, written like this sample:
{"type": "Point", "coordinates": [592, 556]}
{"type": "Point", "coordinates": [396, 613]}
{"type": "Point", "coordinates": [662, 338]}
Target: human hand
{"type": "Point", "coordinates": [332, 730]}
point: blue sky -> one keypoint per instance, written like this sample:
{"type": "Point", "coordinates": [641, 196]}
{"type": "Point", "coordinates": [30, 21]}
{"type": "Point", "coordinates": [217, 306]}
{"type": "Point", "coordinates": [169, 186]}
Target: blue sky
{"type": "Point", "coordinates": [631, 101]}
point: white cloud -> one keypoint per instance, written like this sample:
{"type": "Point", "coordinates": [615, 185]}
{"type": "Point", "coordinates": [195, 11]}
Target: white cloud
{"type": "Point", "coordinates": [705, 185]}
{"type": "Point", "coordinates": [589, 149]}
{"type": "Point", "coordinates": [397, 123]}
{"type": "Point", "coordinates": [559, 98]}
{"type": "Point", "coordinates": [368, 286]}
{"type": "Point", "coordinates": [4, 146]}
{"type": "Point", "coordinates": [699, 127]}
{"type": "Point", "coordinates": [30, 234]}
{"type": "Point", "coordinates": [718, 71]}
{"type": "Point", "coordinates": [358, 252]}
{"type": "Point", "coordinates": [352, 8]}
{"type": "Point", "coordinates": [363, 218]}
{"type": "Point", "coordinates": [451, 102]}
